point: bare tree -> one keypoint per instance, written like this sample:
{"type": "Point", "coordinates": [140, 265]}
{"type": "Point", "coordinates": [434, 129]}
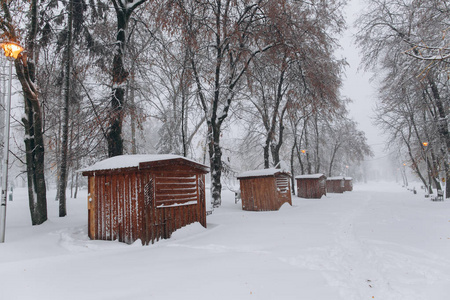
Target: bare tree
{"type": "Point", "coordinates": [124, 10]}
{"type": "Point", "coordinates": [224, 37]}
{"type": "Point", "coordinates": [33, 122]}
{"type": "Point", "coordinates": [392, 35]}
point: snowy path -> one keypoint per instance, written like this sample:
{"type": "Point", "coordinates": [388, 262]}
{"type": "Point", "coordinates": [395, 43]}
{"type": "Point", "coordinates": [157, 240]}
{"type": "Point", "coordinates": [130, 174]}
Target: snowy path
{"type": "Point", "coordinates": [377, 242]}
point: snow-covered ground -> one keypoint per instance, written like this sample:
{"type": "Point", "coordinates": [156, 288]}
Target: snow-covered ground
{"type": "Point", "coordinates": [378, 242]}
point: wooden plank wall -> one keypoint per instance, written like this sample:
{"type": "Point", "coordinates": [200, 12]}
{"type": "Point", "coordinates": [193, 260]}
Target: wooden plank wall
{"type": "Point", "coordinates": [124, 206]}
{"type": "Point", "coordinates": [348, 185]}
{"type": "Point", "coordinates": [261, 194]}
{"type": "Point", "coordinates": [170, 208]}
{"type": "Point", "coordinates": [334, 186]}
{"type": "Point", "coordinates": [305, 187]}
{"type": "Point", "coordinates": [310, 188]}
{"type": "Point", "coordinates": [116, 213]}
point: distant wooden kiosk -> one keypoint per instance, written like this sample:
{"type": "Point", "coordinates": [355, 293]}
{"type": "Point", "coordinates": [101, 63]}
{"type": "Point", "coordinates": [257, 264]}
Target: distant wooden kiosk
{"type": "Point", "coordinates": [265, 190]}
{"type": "Point", "coordinates": [348, 184]}
{"type": "Point", "coordinates": [144, 197]}
{"type": "Point", "coordinates": [335, 184]}
{"type": "Point", "coordinates": [311, 186]}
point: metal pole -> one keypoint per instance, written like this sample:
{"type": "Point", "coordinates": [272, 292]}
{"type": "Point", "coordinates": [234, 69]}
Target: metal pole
{"type": "Point", "coordinates": [5, 158]}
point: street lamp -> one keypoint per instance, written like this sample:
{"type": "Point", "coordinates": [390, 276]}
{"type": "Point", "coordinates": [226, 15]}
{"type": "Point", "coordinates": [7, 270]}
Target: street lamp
{"type": "Point", "coordinates": [425, 145]}
{"type": "Point", "coordinates": [12, 51]}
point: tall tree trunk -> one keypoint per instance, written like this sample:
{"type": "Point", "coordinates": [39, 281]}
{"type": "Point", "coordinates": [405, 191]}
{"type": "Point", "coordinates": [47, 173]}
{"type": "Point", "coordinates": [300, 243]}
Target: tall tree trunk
{"type": "Point", "coordinates": [62, 185]}
{"type": "Point", "coordinates": [404, 177]}
{"type": "Point", "coordinates": [411, 156]}
{"type": "Point", "coordinates": [299, 153]}
{"type": "Point", "coordinates": [32, 120]}
{"type": "Point", "coordinates": [120, 75]}
{"type": "Point", "coordinates": [34, 148]}
{"type": "Point", "coordinates": [317, 148]}
{"type": "Point", "coordinates": [266, 154]}
{"type": "Point", "coordinates": [333, 155]}
{"type": "Point", "coordinates": [123, 9]}
{"type": "Point", "coordinates": [308, 162]}
{"type": "Point", "coordinates": [292, 164]}
{"type": "Point", "coordinates": [132, 115]}
{"type": "Point", "coordinates": [183, 122]}
{"type": "Point", "coordinates": [277, 147]}
{"type": "Point", "coordinates": [442, 124]}
{"type": "Point", "coordinates": [77, 164]}
{"type": "Point", "coordinates": [215, 158]}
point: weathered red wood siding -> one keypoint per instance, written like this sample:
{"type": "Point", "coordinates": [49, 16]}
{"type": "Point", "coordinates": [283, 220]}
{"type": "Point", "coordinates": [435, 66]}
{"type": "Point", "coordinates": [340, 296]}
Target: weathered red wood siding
{"type": "Point", "coordinates": [263, 194]}
{"type": "Point", "coordinates": [335, 186]}
{"type": "Point", "coordinates": [311, 187]}
{"type": "Point", "coordinates": [149, 204]}
{"type": "Point", "coordinates": [348, 185]}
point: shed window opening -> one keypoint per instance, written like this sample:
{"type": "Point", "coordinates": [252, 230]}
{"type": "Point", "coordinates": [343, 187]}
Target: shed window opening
{"type": "Point", "coordinates": [282, 184]}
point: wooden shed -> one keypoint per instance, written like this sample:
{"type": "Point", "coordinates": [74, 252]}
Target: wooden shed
{"type": "Point", "coordinates": [335, 184]}
{"type": "Point", "coordinates": [263, 190]}
{"type": "Point", "coordinates": [311, 186]}
{"type": "Point", "coordinates": [144, 197]}
{"type": "Point", "coordinates": [348, 184]}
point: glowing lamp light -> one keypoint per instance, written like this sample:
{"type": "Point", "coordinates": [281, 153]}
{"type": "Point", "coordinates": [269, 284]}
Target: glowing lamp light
{"type": "Point", "coordinates": [303, 151]}
{"type": "Point", "coordinates": [11, 49]}
{"type": "Point", "coordinates": [425, 144]}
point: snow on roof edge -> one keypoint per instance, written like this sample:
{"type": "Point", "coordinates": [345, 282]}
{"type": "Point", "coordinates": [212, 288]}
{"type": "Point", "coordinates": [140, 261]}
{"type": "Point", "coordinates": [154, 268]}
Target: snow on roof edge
{"type": "Point", "coordinates": [310, 176]}
{"type": "Point", "coordinates": [336, 178]}
{"type": "Point", "coordinates": [262, 173]}
{"type": "Point", "coordinates": [132, 161]}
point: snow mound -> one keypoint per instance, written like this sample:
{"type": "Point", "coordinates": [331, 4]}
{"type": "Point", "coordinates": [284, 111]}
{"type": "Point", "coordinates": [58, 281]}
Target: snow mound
{"type": "Point", "coordinates": [188, 231]}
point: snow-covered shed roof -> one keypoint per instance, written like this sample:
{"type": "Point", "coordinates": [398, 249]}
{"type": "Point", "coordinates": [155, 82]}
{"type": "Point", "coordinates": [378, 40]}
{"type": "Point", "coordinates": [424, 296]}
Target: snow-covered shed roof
{"type": "Point", "coordinates": [336, 178]}
{"type": "Point", "coordinates": [348, 178]}
{"type": "Point", "coordinates": [310, 176]}
{"type": "Point", "coordinates": [263, 173]}
{"type": "Point", "coordinates": [137, 161]}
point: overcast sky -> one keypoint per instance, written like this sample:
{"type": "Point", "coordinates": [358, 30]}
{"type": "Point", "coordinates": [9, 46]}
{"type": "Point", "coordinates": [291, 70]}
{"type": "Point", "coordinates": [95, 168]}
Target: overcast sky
{"type": "Point", "coordinates": [357, 85]}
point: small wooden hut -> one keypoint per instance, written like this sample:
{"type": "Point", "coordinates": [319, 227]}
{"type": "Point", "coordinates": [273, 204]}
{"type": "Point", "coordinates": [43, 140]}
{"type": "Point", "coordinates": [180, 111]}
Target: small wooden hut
{"type": "Point", "coordinates": [335, 184]}
{"type": "Point", "coordinates": [144, 197]}
{"type": "Point", "coordinates": [348, 184]}
{"type": "Point", "coordinates": [263, 190]}
{"type": "Point", "coordinates": [311, 186]}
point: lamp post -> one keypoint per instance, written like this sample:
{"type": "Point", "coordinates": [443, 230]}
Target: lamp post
{"type": "Point", "coordinates": [12, 51]}
{"type": "Point", "coordinates": [425, 145]}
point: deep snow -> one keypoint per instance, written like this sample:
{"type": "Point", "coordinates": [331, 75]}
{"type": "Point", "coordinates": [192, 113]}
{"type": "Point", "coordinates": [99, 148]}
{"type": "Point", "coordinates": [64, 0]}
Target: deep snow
{"type": "Point", "coordinates": [378, 242]}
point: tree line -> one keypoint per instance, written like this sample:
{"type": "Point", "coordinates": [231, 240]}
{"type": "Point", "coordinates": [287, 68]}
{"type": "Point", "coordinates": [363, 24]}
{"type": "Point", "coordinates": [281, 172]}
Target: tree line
{"type": "Point", "coordinates": [406, 43]}
{"type": "Point", "coordinates": [256, 80]}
